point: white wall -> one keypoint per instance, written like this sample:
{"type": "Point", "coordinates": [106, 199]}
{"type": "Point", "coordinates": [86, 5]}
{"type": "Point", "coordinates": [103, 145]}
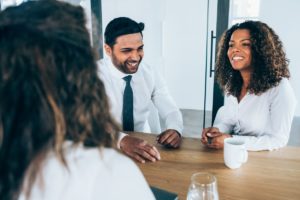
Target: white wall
{"type": "Point", "coordinates": [283, 17]}
{"type": "Point", "coordinates": [175, 42]}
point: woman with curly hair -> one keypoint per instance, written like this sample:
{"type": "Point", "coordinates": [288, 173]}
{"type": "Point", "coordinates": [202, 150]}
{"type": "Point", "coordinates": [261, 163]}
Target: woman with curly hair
{"type": "Point", "coordinates": [57, 136]}
{"type": "Point", "coordinates": [252, 70]}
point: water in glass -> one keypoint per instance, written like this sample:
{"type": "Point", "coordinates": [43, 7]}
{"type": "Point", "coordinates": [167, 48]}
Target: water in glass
{"type": "Point", "coordinates": [203, 187]}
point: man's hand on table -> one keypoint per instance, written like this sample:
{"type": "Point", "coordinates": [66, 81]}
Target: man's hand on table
{"type": "Point", "coordinates": [139, 149]}
{"type": "Point", "coordinates": [169, 138]}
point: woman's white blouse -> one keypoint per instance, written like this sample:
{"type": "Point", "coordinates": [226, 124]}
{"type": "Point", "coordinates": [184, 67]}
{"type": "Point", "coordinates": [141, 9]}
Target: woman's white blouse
{"type": "Point", "coordinates": [92, 174]}
{"type": "Point", "coordinates": [263, 121]}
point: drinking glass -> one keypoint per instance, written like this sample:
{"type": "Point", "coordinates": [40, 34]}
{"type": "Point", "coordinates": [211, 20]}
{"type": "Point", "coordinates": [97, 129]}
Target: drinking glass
{"type": "Point", "coordinates": [203, 187]}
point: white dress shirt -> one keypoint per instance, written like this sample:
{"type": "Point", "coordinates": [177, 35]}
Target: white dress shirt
{"type": "Point", "coordinates": [263, 121]}
{"type": "Point", "coordinates": [148, 86]}
{"type": "Point", "coordinates": [92, 174]}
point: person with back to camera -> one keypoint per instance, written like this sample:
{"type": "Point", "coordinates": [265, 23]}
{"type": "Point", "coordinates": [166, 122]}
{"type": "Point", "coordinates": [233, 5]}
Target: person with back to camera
{"type": "Point", "coordinates": [57, 137]}
{"type": "Point", "coordinates": [252, 70]}
{"type": "Point", "coordinates": [132, 86]}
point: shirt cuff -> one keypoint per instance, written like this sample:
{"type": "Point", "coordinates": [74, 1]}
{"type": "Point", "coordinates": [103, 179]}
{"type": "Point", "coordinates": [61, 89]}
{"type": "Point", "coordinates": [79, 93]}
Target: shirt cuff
{"type": "Point", "coordinates": [121, 136]}
{"type": "Point", "coordinates": [178, 129]}
{"type": "Point", "coordinates": [174, 122]}
{"type": "Point", "coordinates": [222, 128]}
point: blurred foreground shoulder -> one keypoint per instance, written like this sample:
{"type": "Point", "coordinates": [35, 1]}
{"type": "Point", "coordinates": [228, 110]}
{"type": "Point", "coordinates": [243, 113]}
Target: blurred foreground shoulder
{"type": "Point", "coordinates": [91, 174]}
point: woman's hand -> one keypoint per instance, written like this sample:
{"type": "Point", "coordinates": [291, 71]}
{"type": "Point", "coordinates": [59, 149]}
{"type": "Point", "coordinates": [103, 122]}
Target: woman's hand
{"type": "Point", "coordinates": [213, 138]}
{"type": "Point", "coordinates": [206, 138]}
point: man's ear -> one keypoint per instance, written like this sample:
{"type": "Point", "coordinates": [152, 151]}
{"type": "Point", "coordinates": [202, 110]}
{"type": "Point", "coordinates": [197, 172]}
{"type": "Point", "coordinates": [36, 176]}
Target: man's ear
{"type": "Point", "coordinates": [108, 50]}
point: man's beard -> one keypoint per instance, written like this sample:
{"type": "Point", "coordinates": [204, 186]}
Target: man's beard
{"type": "Point", "coordinates": [126, 67]}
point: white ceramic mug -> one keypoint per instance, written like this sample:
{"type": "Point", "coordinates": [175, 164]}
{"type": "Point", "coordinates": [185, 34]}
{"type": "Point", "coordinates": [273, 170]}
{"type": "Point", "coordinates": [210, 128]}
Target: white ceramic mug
{"type": "Point", "coordinates": [235, 153]}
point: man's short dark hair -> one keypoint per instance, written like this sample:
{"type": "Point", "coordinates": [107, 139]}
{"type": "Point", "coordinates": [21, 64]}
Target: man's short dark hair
{"type": "Point", "coordinates": [121, 26]}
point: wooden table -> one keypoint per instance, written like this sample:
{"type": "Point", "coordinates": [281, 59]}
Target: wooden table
{"type": "Point", "coordinates": [266, 175]}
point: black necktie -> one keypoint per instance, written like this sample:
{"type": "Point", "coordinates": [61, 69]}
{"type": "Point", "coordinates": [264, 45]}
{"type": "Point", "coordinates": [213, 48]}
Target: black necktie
{"type": "Point", "coordinates": [128, 106]}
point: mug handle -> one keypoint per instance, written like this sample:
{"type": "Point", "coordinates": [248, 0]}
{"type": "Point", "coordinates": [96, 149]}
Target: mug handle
{"type": "Point", "coordinates": [244, 155]}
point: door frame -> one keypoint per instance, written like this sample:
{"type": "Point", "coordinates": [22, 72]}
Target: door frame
{"type": "Point", "coordinates": [222, 25]}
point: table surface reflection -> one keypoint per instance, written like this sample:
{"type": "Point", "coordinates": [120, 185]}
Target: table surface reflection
{"type": "Point", "coordinates": [266, 175]}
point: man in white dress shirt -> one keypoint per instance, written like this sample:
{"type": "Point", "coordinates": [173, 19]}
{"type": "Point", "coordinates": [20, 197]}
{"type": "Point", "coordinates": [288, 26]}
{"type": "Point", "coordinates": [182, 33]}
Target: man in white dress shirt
{"type": "Point", "coordinates": [124, 47]}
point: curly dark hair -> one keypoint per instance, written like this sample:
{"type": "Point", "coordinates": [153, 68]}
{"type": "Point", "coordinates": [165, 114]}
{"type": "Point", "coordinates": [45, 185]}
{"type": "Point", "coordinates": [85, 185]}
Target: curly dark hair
{"type": "Point", "coordinates": [268, 60]}
{"type": "Point", "coordinates": [49, 90]}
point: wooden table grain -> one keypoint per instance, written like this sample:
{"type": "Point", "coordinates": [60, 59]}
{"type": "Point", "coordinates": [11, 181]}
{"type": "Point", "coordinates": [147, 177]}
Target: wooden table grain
{"type": "Point", "coordinates": [267, 174]}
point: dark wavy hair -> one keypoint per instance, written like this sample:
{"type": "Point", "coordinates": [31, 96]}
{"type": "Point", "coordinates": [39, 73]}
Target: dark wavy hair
{"type": "Point", "coordinates": [268, 60]}
{"type": "Point", "coordinates": [49, 90]}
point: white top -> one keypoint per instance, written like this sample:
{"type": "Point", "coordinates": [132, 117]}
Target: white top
{"type": "Point", "coordinates": [92, 174]}
{"type": "Point", "coordinates": [263, 121]}
{"type": "Point", "coordinates": [147, 85]}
